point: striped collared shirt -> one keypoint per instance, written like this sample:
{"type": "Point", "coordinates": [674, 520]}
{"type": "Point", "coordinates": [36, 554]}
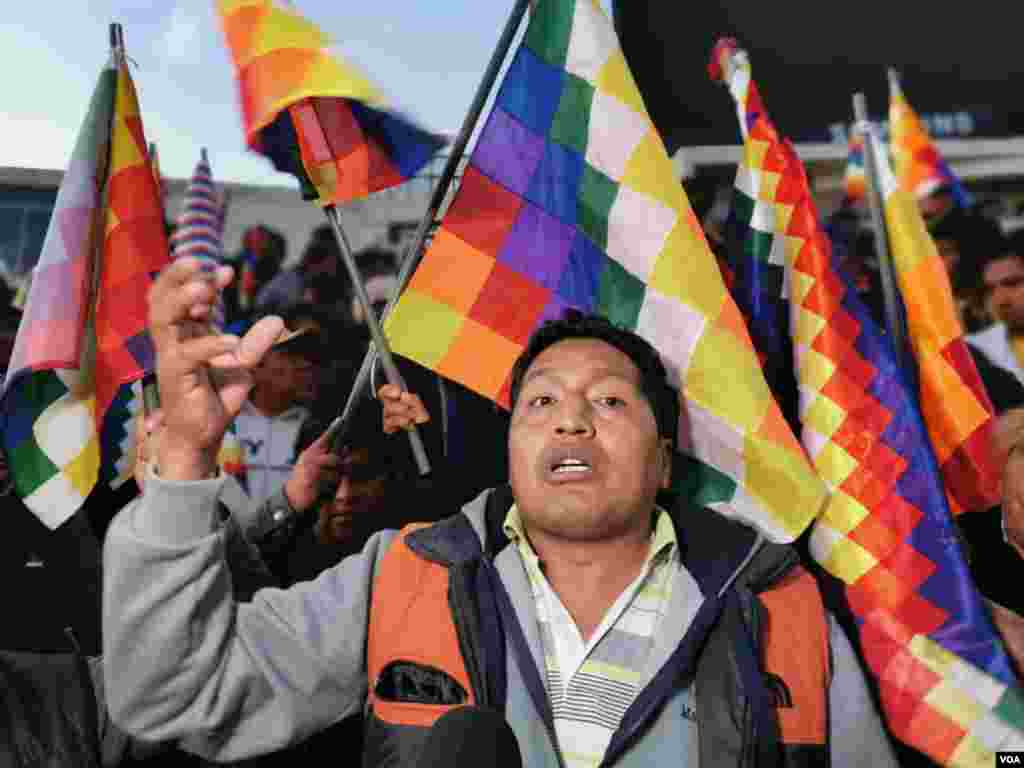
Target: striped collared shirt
{"type": "Point", "coordinates": [592, 683]}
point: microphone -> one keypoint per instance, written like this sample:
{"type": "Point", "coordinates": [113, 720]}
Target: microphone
{"type": "Point", "coordinates": [470, 736]}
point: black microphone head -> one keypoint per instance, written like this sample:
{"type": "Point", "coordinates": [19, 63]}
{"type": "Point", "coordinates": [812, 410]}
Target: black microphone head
{"type": "Point", "coordinates": [470, 736]}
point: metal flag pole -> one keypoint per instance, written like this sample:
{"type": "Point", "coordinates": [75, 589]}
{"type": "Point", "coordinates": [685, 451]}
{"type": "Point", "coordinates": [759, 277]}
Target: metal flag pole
{"type": "Point", "coordinates": [117, 54]}
{"type": "Point", "coordinates": [376, 333]}
{"type": "Point", "coordinates": [894, 320]}
{"type": "Point", "coordinates": [415, 250]}
{"type": "Point", "coordinates": [893, 76]}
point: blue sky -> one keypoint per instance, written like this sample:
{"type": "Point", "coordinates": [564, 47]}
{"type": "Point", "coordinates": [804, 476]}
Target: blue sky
{"type": "Point", "coordinates": [428, 58]}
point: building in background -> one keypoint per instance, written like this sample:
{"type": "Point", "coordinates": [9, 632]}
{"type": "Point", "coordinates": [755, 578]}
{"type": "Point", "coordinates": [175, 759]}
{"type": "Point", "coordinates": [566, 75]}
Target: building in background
{"type": "Point", "coordinates": [993, 169]}
{"type": "Point", "coordinates": [27, 197]}
{"type": "Point", "coordinates": [386, 219]}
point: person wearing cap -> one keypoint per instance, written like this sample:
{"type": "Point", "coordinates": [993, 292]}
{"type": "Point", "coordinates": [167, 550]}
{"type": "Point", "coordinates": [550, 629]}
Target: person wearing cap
{"type": "Point", "coordinates": [270, 419]}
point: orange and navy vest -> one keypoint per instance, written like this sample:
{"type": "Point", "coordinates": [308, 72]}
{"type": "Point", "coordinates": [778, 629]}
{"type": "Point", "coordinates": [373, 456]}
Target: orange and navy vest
{"type": "Point", "coordinates": [758, 655]}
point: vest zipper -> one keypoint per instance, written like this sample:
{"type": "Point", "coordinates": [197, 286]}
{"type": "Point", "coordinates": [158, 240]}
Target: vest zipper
{"type": "Point", "coordinates": [751, 736]}
{"type": "Point", "coordinates": [466, 631]}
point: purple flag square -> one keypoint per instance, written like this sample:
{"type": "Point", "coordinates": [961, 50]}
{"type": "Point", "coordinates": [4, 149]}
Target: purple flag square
{"type": "Point", "coordinates": [538, 246]}
{"type": "Point", "coordinates": [508, 152]}
{"type": "Point", "coordinates": [58, 293]}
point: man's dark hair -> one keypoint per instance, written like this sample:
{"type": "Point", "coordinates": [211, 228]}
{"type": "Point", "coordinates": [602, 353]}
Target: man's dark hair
{"type": "Point", "coordinates": [574, 324]}
{"type": "Point", "coordinates": [979, 240]}
{"type": "Point", "coordinates": [999, 249]}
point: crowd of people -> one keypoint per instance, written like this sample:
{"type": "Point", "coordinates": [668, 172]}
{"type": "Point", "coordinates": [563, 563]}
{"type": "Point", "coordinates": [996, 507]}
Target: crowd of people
{"type": "Point", "coordinates": [294, 505]}
{"type": "Point", "coordinates": [262, 607]}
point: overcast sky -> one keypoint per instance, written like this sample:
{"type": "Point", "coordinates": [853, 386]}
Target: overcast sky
{"type": "Point", "coordinates": [428, 58]}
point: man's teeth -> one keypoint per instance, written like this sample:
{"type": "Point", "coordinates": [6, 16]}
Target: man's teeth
{"type": "Point", "coordinates": [572, 465]}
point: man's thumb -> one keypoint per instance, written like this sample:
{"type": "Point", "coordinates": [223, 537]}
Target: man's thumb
{"type": "Point", "coordinates": [258, 340]}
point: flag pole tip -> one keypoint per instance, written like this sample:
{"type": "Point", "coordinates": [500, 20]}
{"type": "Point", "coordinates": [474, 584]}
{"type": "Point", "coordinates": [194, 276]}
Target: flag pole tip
{"type": "Point", "coordinates": [860, 107]}
{"type": "Point", "coordinates": [720, 66]}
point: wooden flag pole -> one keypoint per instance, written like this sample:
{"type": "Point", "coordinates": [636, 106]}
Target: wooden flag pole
{"type": "Point", "coordinates": [894, 318]}
{"type": "Point", "coordinates": [376, 333]}
{"type": "Point", "coordinates": [415, 250]}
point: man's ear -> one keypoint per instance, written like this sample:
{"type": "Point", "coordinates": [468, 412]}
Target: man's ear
{"type": "Point", "coordinates": [666, 467]}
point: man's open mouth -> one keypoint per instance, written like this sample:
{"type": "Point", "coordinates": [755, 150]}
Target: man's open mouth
{"type": "Point", "coordinates": [570, 466]}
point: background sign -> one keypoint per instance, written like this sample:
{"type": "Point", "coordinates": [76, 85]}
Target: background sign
{"type": "Point", "coordinates": [962, 69]}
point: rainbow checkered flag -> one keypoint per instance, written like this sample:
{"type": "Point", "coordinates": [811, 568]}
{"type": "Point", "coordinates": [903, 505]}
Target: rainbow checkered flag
{"type": "Point", "coordinates": [920, 167]}
{"type": "Point", "coordinates": [82, 338]}
{"type": "Point", "coordinates": [570, 200]}
{"type": "Point", "coordinates": [956, 407]}
{"type": "Point", "coordinates": [134, 252]}
{"type": "Point", "coordinates": [313, 114]}
{"type": "Point", "coordinates": [48, 407]}
{"type": "Point", "coordinates": [946, 683]}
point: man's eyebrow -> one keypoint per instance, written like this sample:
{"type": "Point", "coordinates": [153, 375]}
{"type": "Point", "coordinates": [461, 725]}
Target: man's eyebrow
{"type": "Point", "coordinates": [1004, 281]}
{"type": "Point", "coordinates": [536, 373]}
{"type": "Point", "coordinates": [599, 375]}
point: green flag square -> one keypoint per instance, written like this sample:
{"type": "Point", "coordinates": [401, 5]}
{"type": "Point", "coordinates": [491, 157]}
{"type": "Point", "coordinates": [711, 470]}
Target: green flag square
{"type": "Point", "coordinates": [620, 295]}
{"type": "Point", "coordinates": [549, 31]}
{"type": "Point", "coordinates": [596, 195]}
{"type": "Point", "coordinates": [571, 124]}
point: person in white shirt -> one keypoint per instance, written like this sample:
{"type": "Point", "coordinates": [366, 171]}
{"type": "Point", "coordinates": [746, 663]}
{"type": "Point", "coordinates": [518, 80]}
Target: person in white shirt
{"type": "Point", "coordinates": [1003, 286]}
{"type": "Point", "coordinates": [269, 422]}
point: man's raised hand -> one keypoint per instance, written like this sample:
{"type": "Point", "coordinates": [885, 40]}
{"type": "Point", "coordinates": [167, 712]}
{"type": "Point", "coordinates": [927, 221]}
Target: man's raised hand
{"type": "Point", "coordinates": [204, 377]}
